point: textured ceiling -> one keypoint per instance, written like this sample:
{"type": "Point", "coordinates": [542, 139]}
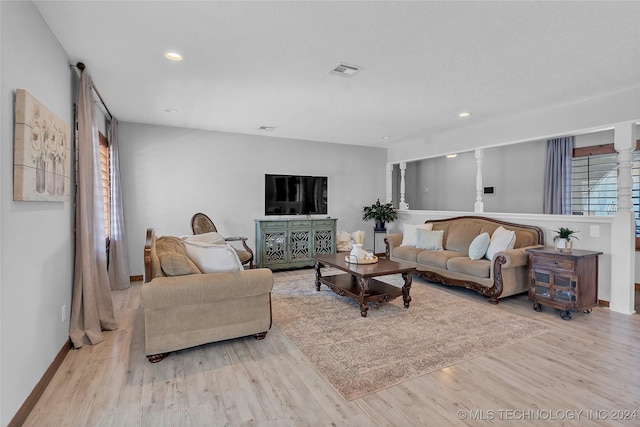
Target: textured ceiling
{"type": "Point", "coordinates": [252, 64]}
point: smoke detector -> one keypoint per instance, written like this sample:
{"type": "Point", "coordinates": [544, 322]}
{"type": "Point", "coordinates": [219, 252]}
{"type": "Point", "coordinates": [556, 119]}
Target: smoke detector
{"type": "Point", "coordinates": [345, 70]}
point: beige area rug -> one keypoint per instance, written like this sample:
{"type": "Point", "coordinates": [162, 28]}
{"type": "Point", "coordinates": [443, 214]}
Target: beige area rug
{"type": "Point", "coordinates": [361, 355]}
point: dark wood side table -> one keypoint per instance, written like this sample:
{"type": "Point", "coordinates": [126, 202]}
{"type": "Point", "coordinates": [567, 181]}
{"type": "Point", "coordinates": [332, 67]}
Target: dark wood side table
{"type": "Point", "coordinates": [567, 281]}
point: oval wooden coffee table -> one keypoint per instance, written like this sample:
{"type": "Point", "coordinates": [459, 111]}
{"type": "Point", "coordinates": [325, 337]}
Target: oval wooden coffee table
{"type": "Point", "coordinates": [359, 282]}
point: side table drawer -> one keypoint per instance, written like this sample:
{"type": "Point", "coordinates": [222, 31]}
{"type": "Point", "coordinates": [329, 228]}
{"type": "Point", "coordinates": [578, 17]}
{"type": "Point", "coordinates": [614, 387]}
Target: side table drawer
{"type": "Point", "coordinates": [554, 263]}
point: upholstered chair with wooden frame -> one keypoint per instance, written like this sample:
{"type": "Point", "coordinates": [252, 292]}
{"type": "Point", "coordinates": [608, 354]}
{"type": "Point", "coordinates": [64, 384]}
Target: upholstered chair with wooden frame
{"type": "Point", "coordinates": [201, 223]}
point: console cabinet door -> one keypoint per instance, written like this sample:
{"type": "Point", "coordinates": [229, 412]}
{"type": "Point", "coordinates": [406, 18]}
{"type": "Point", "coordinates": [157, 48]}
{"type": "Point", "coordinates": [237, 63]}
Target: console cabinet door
{"type": "Point", "coordinates": [300, 241]}
{"type": "Point", "coordinates": [324, 237]}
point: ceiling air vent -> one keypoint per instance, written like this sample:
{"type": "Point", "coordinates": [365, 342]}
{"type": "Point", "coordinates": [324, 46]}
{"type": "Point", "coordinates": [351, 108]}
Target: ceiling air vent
{"type": "Point", "coordinates": [345, 70]}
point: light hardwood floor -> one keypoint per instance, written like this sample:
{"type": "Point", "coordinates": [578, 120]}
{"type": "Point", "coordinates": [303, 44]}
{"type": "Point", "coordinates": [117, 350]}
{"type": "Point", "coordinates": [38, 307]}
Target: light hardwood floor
{"type": "Point", "coordinates": [590, 364]}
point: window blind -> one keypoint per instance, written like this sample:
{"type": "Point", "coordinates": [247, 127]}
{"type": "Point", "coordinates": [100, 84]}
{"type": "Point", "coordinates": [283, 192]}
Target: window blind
{"type": "Point", "coordinates": [106, 184]}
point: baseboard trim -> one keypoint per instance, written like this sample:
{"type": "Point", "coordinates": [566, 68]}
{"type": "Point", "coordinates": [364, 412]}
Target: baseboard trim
{"type": "Point", "coordinates": [136, 278]}
{"type": "Point", "coordinates": [21, 416]}
{"type": "Point", "coordinates": [603, 303]}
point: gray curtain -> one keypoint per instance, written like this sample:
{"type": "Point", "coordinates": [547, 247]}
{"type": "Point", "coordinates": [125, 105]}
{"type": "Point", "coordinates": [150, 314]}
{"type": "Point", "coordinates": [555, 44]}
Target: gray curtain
{"type": "Point", "coordinates": [118, 256]}
{"type": "Point", "coordinates": [557, 177]}
{"type": "Point", "coordinates": [91, 306]}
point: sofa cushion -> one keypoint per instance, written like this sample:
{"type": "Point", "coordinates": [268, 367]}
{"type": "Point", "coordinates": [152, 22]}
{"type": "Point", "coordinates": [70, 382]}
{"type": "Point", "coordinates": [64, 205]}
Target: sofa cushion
{"type": "Point", "coordinates": [501, 240]}
{"type": "Point", "coordinates": [479, 245]}
{"type": "Point", "coordinates": [477, 268]}
{"type": "Point", "coordinates": [176, 264]}
{"type": "Point", "coordinates": [460, 236]}
{"type": "Point", "coordinates": [162, 245]}
{"type": "Point", "coordinates": [169, 244]}
{"type": "Point", "coordinates": [436, 258]}
{"type": "Point", "coordinates": [410, 233]}
{"type": "Point", "coordinates": [406, 253]}
{"type": "Point", "coordinates": [429, 239]}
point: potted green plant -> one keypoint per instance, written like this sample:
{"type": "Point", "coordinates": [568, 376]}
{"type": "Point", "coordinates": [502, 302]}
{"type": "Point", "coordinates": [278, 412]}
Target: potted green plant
{"type": "Point", "coordinates": [562, 239]}
{"type": "Point", "coordinates": [381, 213]}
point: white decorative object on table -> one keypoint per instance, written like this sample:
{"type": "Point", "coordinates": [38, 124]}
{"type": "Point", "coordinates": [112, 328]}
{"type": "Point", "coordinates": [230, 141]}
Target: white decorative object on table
{"type": "Point", "coordinates": [358, 252]}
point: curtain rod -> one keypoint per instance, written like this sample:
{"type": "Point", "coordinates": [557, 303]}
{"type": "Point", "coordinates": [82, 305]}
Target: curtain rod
{"type": "Point", "coordinates": [81, 67]}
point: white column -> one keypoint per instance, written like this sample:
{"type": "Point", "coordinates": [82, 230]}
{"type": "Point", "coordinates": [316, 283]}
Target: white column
{"type": "Point", "coordinates": [479, 204]}
{"type": "Point", "coordinates": [623, 226]}
{"type": "Point", "coordinates": [389, 182]}
{"type": "Point", "coordinates": [402, 204]}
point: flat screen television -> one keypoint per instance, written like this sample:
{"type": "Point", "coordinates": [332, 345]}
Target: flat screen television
{"type": "Point", "coordinates": [295, 195]}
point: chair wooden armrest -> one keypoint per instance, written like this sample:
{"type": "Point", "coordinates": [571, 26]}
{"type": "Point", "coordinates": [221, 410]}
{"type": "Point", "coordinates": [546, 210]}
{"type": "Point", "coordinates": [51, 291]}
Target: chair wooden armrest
{"type": "Point", "coordinates": [244, 244]}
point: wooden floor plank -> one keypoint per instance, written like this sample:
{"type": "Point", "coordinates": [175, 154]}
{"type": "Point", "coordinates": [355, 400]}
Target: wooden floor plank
{"type": "Point", "coordinates": [589, 363]}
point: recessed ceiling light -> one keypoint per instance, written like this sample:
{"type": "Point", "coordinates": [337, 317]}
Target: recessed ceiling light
{"type": "Point", "coordinates": [170, 110]}
{"type": "Point", "coordinates": [173, 56]}
{"type": "Point", "coordinates": [267, 128]}
{"type": "Point", "coordinates": [386, 137]}
{"type": "Point", "coordinates": [464, 114]}
{"type": "Point", "coordinates": [451, 156]}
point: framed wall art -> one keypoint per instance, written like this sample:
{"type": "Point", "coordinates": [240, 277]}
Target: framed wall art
{"type": "Point", "coordinates": [42, 152]}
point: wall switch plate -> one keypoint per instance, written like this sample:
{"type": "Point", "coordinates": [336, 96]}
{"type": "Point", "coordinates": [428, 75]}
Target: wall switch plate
{"type": "Point", "coordinates": [63, 316]}
{"type": "Point", "coordinates": [594, 231]}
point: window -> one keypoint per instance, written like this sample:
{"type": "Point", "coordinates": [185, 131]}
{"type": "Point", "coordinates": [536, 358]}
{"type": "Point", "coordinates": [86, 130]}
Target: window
{"type": "Point", "coordinates": [105, 175]}
{"type": "Point", "coordinates": [594, 182]}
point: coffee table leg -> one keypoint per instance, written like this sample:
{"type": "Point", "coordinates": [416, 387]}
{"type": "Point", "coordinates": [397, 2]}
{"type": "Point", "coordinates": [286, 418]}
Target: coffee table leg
{"type": "Point", "coordinates": [318, 275]}
{"type": "Point", "coordinates": [408, 277]}
{"type": "Point", "coordinates": [364, 291]}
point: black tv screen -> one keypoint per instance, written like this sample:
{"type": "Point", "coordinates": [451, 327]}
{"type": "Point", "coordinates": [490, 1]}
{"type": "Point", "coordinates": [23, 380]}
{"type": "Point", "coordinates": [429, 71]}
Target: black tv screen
{"type": "Point", "coordinates": [295, 195]}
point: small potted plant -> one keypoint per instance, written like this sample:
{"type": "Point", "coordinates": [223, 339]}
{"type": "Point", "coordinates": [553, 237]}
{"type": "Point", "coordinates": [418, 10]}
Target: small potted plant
{"type": "Point", "coordinates": [381, 213]}
{"type": "Point", "coordinates": [562, 239]}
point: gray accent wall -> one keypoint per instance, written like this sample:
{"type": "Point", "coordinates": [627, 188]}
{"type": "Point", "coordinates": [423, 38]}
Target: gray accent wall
{"type": "Point", "coordinates": [516, 173]}
{"type": "Point", "coordinates": [36, 254]}
{"type": "Point", "coordinates": [169, 174]}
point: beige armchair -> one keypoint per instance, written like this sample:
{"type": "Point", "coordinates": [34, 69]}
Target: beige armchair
{"type": "Point", "coordinates": [185, 308]}
{"type": "Point", "coordinates": [201, 223]}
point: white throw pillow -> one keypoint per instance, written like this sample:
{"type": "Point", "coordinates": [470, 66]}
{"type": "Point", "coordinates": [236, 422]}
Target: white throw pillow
{"type": "Point", "coordinates": [428, 239]}
{"type": "Point", "coordinates": [410, 233]}
{"type": "Point", "coordinates": [212, 237]}
{"type": "Point", "coordinates": [501, 240]}
{"type": "Point", "coordinates": [212, 257]}
{"type": "Point", "coordinates": [479, 246]}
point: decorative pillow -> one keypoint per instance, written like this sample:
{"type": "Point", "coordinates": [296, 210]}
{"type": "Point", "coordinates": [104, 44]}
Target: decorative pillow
{"type": "Point", "coordinates": [429, 239]}
{"type": "Point", "coordinates": [501, 240]}
{"type": "Point", "coordinates": [479, 246]}
{"type": "Point", "coordinates": [410, 233]}
{"type": "Point", "coordinates": [212, 237]}
{"type": "Point", "coordinates": [213, 258]}
{"type": "Point", "coordinates": [175, 264]}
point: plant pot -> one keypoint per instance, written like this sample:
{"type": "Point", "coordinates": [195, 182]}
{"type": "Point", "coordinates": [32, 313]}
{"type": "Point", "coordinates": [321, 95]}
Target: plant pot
{"type": "Point", "coordinates": [380, 226]}
{"type": "Point", "coordinates": [564, 245]}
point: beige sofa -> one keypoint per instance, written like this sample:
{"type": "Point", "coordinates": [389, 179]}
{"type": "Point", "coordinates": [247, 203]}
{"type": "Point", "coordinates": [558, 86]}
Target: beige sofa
{"type": "Point", "coordinates": [184, 308]}
{"type": "Point", "coordinates": [505, 274]}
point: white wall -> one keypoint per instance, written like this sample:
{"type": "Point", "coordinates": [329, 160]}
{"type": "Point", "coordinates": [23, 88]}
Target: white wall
{"type": "Point", "coordinates": [170, 173]}
{"type": "Point", "coordinates": [36, 253]}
